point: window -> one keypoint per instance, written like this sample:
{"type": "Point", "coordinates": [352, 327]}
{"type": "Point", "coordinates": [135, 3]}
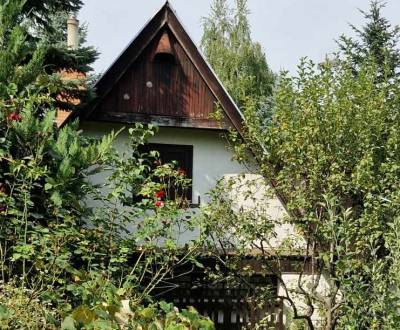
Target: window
{"type": "Point", "coordinates": [181, 154]}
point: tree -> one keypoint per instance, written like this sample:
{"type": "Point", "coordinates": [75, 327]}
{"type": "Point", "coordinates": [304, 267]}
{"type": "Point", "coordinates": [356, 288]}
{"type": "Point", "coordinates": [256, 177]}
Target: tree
{"type": "Point", "coordinates": [377, 40]}
{"type": "Point", "coordinates": [60, 61]}
{"type": "Point", "coordinates": [238, 61]}
{"type": "Point", "coordinates": [42, 169]}
{"type": "Point", "coordinates": [350, 159]}
{"type": "Point", "coordinates": [59, 57]}
{"type": "Point", "coordinates": [331, 150]}
{"type": "Point", "coordinates": [38, 10]}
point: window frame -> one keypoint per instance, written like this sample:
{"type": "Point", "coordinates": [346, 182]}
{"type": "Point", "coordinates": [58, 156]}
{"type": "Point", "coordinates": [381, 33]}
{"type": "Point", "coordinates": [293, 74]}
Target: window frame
{"type": "Point", "coordinates": [186, 149]}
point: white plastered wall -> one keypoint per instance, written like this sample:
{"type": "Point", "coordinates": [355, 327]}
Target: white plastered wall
{"type": "Point", "coordinates": [212, 160]}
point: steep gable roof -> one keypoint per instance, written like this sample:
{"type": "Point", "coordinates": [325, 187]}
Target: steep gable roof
{"type": "Point", "coordinates": [164, 20]}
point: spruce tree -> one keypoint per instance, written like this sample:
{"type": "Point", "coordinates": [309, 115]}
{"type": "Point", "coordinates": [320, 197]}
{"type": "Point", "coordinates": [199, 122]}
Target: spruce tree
{"type": "Point", "coordinates": [43, 24]}
{"type": "Point", "coordinates": [376, 40]}
{"type": "Point", "coordinates": [59, 57]}
{"type": "Point", "coordinates": [38, 10]}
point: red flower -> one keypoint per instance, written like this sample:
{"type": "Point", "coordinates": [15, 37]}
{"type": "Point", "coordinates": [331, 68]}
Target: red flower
{"type": "Point", "coordinates": [181, 171]}
{"type": "Point", "coordinates": [13, 116]}
{"type": "Point", "coordinates": [159, 203]}
{"type": "Point", "coordinates": [160, 194]}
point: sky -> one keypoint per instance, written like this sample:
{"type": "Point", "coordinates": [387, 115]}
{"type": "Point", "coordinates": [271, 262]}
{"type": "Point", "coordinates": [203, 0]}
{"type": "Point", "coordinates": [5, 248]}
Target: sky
{"type": "Point", "coordinates": [286, 29]}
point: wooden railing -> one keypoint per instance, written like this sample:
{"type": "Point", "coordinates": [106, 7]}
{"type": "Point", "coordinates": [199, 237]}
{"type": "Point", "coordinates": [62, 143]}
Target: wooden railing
{"type": "Point", "coordinates": [229, 308]}
{"type": "Point", "coordinates": [236, 314]}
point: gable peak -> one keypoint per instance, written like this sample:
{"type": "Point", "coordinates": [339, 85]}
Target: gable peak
{"type": "Point", "coordinates": [165, 40]}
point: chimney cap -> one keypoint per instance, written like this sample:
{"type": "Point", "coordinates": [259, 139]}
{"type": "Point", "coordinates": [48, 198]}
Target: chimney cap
{"type": "Point", "coordinates": [72, 19]}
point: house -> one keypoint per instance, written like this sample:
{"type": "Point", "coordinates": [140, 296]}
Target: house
{"type": "Point", "coordinates": [162, 78]}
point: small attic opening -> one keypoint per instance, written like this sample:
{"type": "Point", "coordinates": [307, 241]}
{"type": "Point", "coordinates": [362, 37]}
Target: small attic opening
{"type": "Point", "coordinates": [164, 52]}
{"type": "Point", "coordinates": [165, 58]}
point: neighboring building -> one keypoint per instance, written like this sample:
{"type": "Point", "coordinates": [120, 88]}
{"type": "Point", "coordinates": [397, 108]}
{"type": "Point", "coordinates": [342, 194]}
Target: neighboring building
{"type": "Point", "coordinates": [162, 78]}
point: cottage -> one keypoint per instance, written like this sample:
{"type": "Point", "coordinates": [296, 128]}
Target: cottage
{"type": "Point", "coordinates": [162, 78]}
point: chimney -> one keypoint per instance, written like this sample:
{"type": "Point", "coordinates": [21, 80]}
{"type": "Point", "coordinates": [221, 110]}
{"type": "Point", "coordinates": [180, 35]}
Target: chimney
{"type": "Point", "coordinates": [72, 33]}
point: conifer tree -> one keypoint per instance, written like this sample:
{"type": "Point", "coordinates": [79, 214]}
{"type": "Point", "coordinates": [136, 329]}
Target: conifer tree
{"type": "Point", "coordinates": [59, 57]}
{"type": "Point", "coordinates": [27, 110]}
{"type": "Point", "coordinates": [43, 23]}
{"type": "Point", "coordinates": [376, 40]}
{"type": "Point", "coordinates": [43, 170]}
{"type": "Point", "coordinates": [38, 10]}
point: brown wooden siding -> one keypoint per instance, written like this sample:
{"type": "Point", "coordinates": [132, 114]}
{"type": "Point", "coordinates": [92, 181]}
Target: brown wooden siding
{"type": "Point", "coordinates": [178, 90]}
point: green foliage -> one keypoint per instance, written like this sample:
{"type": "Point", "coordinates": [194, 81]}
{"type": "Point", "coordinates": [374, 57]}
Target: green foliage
{"type": "Point", "coordinates": [59, 57]}
{"type": "Point", "coordinates": [331, 149]}
{"type": "Point", "coordinates": [329, 108]}
{"type": "Point", "coordinates": [20, 63]}
{"type": "Point", "coordinates": [38, 10]}
{"type": "Point", "coordinates": [122, 251]}
{"type": "Point", "coordinates": [377, 39]}
{"type": "Point", "coordinates": [19, 311]}
{"type": "Point", "coordinates": [165, 316]}
{"type": "Point", "coordinates": [32, 65]}
{"type": "Point", "coordinates": [238, 61]}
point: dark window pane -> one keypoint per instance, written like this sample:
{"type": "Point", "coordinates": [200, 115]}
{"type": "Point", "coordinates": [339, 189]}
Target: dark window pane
{"type": "Point", "coordinates": [182, 155]}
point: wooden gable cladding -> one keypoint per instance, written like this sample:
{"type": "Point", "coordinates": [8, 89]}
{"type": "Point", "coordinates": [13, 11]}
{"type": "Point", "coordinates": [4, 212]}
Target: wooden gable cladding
{"type": "Point", "coordinates": [162, 82]}
{"type": "Point", "coordinates": [182, 94]}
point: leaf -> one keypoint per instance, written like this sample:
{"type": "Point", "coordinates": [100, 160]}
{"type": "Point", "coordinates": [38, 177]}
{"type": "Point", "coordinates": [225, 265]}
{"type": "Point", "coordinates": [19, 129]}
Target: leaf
{"type": "Point", "coordinates": [166, 307]}
{"type": "Point", "coordinates": [4, 313]}
{"type": "Point", "coordinates": [83, 314]}
{"type": "Point", "coordinates": [56, 198]}
{"type": "Point", "coordinates": [102, 324]}
{"type": "Point", "coordinates": [121, 291]}
{"type": "Point", "coordinates": [68, 324]}
{"type": "Point", "coordinates": [48, 186]}
{"type": "Point", "coordinates": [147, 313]}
